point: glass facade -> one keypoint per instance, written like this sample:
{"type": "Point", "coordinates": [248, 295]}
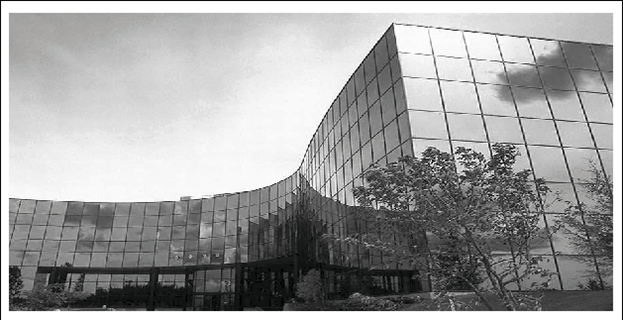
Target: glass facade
{"type": "Point", "coordinates": [417, 87]}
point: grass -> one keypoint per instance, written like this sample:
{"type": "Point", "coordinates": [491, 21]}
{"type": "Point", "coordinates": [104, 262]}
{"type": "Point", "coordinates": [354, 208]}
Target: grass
{"type": "Point", "coordinates": [551, 301]}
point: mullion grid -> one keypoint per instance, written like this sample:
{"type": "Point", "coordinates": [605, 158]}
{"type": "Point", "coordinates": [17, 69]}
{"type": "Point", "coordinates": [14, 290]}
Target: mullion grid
{"type": "Point", "coordinates": [601, 282]}
{"type": "Point", "coordinates": [523, 133]}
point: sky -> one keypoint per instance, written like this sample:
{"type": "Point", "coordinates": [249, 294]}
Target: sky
{"type": "Point", "coordinates": [151, 107]}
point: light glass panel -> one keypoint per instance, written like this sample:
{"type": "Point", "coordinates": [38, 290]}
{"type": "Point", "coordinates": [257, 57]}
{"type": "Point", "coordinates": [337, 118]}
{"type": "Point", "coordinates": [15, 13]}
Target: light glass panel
{"type": "Point", "coordinates": [575, 134]}
{"type": "Point", "coordinates": [608, 79]}
{"type": "Point", "coordinates": [412, 39]}
{"type": "Point", "coordinates": [427, 125]}
{"type": "Point", "coordinates": [460, 97]}
{"type": "Point", "coordinates": [503, 129]}
{"type": "Point", "coordinates": [531, 103]}
{"type": "Point", "coordinates": [565, 105]}
{"type": "Point", "coordinates": [482, 46]}
{"type": "Point", "coordinates": [540, 132]}
{"type": "Point", "coordinates": [422, 94]}
{"type": "Point", "coordinates": [419, 145]}
{"type": "Point", "coordinates": [466, 127]}
{"type": "Point", "coordinates": [489, 72]}
{"type": "Point", "coordinates": [579, 162]}
{"type": "Point", "coordinates": [496, 100]}
{"type": "Point", "coordinates": [547, 53]}
{"type": "Point", "coordinates": [603, 134]}
{"type": "Point", "coordinates": [579, 55]}
{"type": "Point", "coordinates": [575, 271]}
{"type": "Point", "coordinates": [448, 43]}
{"type": "Point", "coordinates": [417, 66]}
{"type": "Point", "coordinates": [515, 49]}
{"type": "Point", "coordinates": [587, 80]}
{"type": "Point", "coordinates": [606, 159]}
{"type": "Point", "coordinates": [597, 107]}
{"type": "Point", "coordinates": [548, 164]}
{"type": "Point", "coordinates": [454, 69]}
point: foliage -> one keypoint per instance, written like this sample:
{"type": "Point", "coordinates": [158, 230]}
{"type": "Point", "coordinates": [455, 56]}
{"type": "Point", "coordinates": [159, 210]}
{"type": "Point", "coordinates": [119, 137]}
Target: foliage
{"type": "Point", "coordinates": [359, 302]}
{"type": "Point", "coordinates": [470, 212]}
{"type": "Point", "coordinates": [589, 227]}
{"type": "Point", "coordinates": [79, 286]}
{"type": "Point", "coordinates": [15, 284]}
{"type": "Point", "coordinates": [51, 297]}
{"type": "Point", "coordinates": [310, 288]}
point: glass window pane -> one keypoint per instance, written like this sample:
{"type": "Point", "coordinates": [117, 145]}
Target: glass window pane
{"type": "Point", "coordinates": [417, 66]}
{"type": "Point", "coordinates": [502, 129]}
{"type": "Point", "coordinates": [376, 123]}
{"type": "Point", "coordinates": [489, 72]}
{"type": "Point", "coordinates": [482, 46]}
{"type": "Point", "coordinates": [579, 55]}
{"type": "Point", "coordinates": [603, 55]}
{"type": "Point", "coordinates": [556, 78]}
{"type": "Point", "coordinates": [587, 80]}
{"type": "Point", "coordinates": [460, 97]}
{"type": "Point", "coordinates": [606, 159]}
{"type": "Point", "coordinates": [380, 53]}
{"type": "Point", "coordinates": [385, 81]}
{"type": "Point", "coordinates": [496, 100]}
{"type": "Point", "coordinates": [547, 53]}
{"type": "Point", "coordinates": [575, 134]}
{"type": "Point", "coordinates": [422, 94]}
{"type": "Point", "coordinates": [608, 78]}
{"type": "Point", "coordinates": [597, 107]}
{"type": "Point", "coordinates": [378, 147]}
{"type": "Point", "coordinates": [465, 127]}
{"type": "Point", "coordinates": [565, 105]}
{"type": "Point", "coordinates": [540, 132]}
{"type": "Point", "coordinates": [523, 75]}
{"type": "Point", "coordinates": [549, 164]}
{"type": "Point", "coordinates": [420, 145]}
{"type": "Point", "coordinates": [482, 148]}
{"type": "Point", "coordinates": [412, 39]}
{"type": "Point", "coordinates": [59, 207]}
{"type": "Point", "coordinates": [427, 125]}
{"type": "Point", "coordinates": [448, 43]}
{"type": "Point", "coordinates": [579, 161]}
{"type": "Point", "coordinates": [454, 69]}
{"type": "Point", "coordinates": [515, 49]}
{"type": "Point", "coordinates": [372, 91]}
{"type": "Point", "coordinates": [531, 103]}
{"type": "Point", "coordinates": [388, 109]}
{"type": "Point", "coordinates": [603, 135]}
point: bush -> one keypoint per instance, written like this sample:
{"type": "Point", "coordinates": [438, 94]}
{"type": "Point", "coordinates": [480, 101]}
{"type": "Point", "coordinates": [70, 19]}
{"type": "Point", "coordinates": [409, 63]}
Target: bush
{"type": "Point", "coordinates": [359, 302]}
{"type": "Point", "coordinates": [310, 288]}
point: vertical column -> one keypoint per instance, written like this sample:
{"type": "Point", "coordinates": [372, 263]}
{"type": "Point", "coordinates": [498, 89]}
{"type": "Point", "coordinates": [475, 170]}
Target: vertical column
{"type": "Point", "coordinates": [153, 280]}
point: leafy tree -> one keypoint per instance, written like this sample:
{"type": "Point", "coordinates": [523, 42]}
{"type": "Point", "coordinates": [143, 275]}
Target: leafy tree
{"type": "Point", "coordinates": [79, 286]}
{"type": "Point", "coordinates": [311, 288]}
{"type": "Point", "coordinates": [590, 226]}
{"type": "Point", "coordinates": [52, 297]}
{"type": "Point", "coordinates": [470, 212]}
{"type": "Point", "coordinates": [16, 284]}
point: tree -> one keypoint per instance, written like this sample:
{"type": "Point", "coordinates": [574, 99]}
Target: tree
{"type": "Point", "coordinates": [310, 288]}
{"type": "Point", "coordinates": [52, 297]}
{"type": "Point", "coordinates": [590, 226]}
{"type": "Point", "coordinates": [16, 284]}
{"type": "Point", "coordinates": [470, 205]}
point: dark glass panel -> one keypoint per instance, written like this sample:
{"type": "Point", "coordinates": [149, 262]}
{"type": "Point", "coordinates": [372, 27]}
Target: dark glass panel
{"type": "Point", "coordinates": [579, 55]}
{"type": "Point", "coordinates": [547, 53]}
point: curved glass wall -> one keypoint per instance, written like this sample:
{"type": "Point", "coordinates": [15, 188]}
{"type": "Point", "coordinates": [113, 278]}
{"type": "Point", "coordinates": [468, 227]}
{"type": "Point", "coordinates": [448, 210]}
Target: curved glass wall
{"type": "Point", "coordinates": [417, 87]}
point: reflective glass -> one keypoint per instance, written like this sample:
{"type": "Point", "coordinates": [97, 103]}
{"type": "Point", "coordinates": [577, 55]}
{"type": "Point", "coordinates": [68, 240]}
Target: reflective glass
{"type": "Point", "coordinates": [540, 132]}
{"type": "Point", "coordinates": [388, 109]}
{"type": "Point", "coordinates": [579, 162]}
{"type": "Point", "coordinates": [391, 136]}
{"type": "Point", "coordinates": [466, 127]}
{"type": "Point", "coordinates": [422, 94]}
{"type": "Point", "coordinates": [459, 97]}
{"type": "Point", "coordinates": [496, 100]}
{"type": "Point", "coordinates": [597, 107]}
{"type": "Point", "coordinates": [603, 135]}
{"type": "Point", "coordinates": [122, 209]}
{"type": "Point", "coordinates": [376, 123]}
{"type": "Point", "coordinates": [59, 207]}
{"type": "Point", "coordinates": [427, 125]}
{"type": "Point", "coordinates": [502, 129]}
{"type": "Point", "coordinates": [587, 80]}
{"type": "Point", "coordinates": [369, 71]}
{"type": "Point", "coordinates": [372, 91]}
{"type": "Point", "coordinates": [575, 271]}
{"type": "Point", "coordinates": [556, 78]}
{"type": "Point", "coordinates": [73, 208]}
{"type": "Point", "coordinates": [417, 66]}
{"type": "Point", "coordinates": [523, 75]}
{"type": "Point", "coordinates": [454, 69]}
{"type": "Point", "coordinates": [565, 105]}
{"type": "Point", "coordinates": [395, 69]}
{"type": "Point", "coordinates": [13, 205]}
{"type": "Point", "coordinates": [378, 147]}
{"type": "Point", "coordinates": [412, 39]}
{"type": "Point", "coordinates": [489, 72]}
{"type": "Point", "coordinates": [419, 145]}
{"type": "Point", "coordinates": [515, 49]}
{"type": "Point", "coordinates": [608, 79]}
{"type": "Point", "coordinates": [384, 80]}
{"type": "Point", "coordinates": [165, 208]}
{"type": "Point", "coordinates": [603, 55]}
{"type": "Point", "coordinates": [575, 134]}
{"type": "Point", "coordinates": [547, 53]}
{"type": "Point", "coordinates": [28, 206]}
{"type": "Point", "coordinates": [579, 55]}
{"type": "Point", "coordinates": [531, 103]}
{"type": "Point", "coordinates": [42, 207]}
{"type": "Point", "coordinates": [380, 53]}
{"type": "Point", "coordinates": [547, 164]}
{"type": "Point", "coordinates": [448, 43]}
{"type": "Point", "coordinates": [606, 159]}
{"type": "Point", "coordinates": [482, 46]}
